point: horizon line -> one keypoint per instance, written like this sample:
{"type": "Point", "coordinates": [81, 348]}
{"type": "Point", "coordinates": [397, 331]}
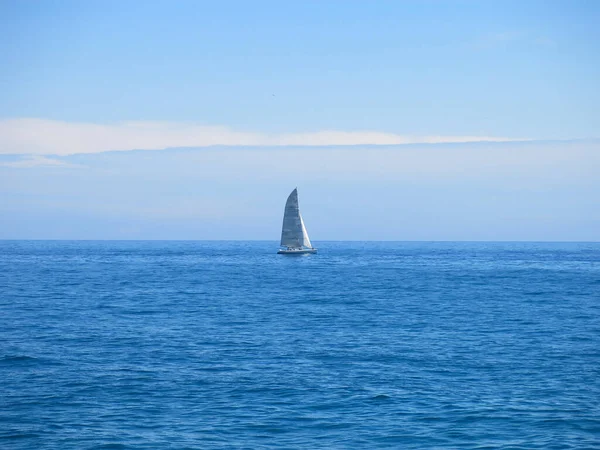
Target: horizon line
{"type": "Point", "coordinates": [275, 240]}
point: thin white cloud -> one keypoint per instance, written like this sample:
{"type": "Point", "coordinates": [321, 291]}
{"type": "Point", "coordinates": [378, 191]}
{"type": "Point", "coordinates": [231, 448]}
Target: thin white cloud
{"type": "Point", "coordinates": [38, 160]}
{"type": "Point", "coordinates": [51, 137]}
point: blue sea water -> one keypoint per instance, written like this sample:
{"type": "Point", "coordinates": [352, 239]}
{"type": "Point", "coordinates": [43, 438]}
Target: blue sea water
{"type": "Point", "coordinates": [172, 345]}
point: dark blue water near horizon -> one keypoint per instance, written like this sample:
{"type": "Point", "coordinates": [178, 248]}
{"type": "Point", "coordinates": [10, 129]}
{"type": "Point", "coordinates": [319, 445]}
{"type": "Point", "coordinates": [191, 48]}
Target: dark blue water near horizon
{"type": "Point", "coordinates": [156, 345]}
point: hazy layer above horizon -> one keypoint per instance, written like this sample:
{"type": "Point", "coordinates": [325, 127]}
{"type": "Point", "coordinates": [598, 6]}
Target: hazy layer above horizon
{"type": "Point", "coordinates": [476, 191]}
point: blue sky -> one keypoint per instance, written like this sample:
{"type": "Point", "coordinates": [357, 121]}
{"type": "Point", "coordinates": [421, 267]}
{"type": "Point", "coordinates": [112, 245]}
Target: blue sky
{"type": "Point", "coordinates": [516, 69]}
{"type": "Point", "coordinates": [79, 79]}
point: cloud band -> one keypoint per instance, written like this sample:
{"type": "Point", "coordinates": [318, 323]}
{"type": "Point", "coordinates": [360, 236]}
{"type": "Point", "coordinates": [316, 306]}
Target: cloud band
{"type": "Point", "coordinates": [52, 137]}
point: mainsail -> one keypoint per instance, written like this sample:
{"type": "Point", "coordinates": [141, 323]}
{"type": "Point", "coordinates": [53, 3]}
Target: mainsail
{"type": "Point", "coordinates": [293, 231]}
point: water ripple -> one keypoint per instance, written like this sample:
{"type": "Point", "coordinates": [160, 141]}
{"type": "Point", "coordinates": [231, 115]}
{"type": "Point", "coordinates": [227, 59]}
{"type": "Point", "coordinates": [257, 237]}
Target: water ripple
{"type": "Point", "coordinates": [143, 345]}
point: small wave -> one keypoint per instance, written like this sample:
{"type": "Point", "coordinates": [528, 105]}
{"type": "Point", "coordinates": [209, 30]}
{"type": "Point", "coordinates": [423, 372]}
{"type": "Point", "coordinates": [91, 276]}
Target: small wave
{"type": "Point", "coordinates": [111, 446]}
{"type": "Point", "coordinates": [20, 436]}
{"type": "Point", "coordinates": [17, 358]}
{"type": "Point", "coordinates": [27, 360]}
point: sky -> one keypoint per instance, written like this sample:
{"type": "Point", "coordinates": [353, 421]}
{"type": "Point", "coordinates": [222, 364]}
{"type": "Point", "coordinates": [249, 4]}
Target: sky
{"type": "Point", "coordinates": [396, 120]}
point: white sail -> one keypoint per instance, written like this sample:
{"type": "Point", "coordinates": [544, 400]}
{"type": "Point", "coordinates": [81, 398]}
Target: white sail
{"type": "Point", "coordinates": [305, 239]}
{"type": "Point", "coordinates": [293, 231]}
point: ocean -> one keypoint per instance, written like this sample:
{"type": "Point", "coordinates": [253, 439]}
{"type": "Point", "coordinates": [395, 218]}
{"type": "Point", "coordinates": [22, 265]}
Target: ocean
{"type": "Point", "coordinates": [200, 345]}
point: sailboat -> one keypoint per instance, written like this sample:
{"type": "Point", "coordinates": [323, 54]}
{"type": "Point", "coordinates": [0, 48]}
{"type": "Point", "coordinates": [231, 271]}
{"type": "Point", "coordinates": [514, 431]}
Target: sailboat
{"type": "Point", "coordinates": [293, 232]}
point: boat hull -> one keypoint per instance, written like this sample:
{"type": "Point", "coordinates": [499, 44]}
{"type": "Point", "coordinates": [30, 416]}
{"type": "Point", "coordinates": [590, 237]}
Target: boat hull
{"type": "Point", "coordinates": [299, 251]}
